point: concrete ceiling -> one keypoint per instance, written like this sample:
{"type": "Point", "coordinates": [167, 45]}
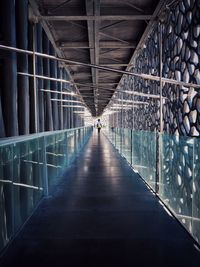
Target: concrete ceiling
{"type": "Point", "coordinates": [100, 32]}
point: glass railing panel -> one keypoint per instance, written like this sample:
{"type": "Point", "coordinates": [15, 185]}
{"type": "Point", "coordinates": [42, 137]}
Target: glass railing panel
{"type": "Point", "coordinates": [61, 150]}
{"type": "Point", "coordinates": [70, 146]}
{"type": "Point", "coordinates": [170, 164]}
{"type": "Point", "coordinates": [111, 135]}
{"type": "Point", "coordinates": [51, 158]}
{"type": "Point", "coordinates": [36, 178]}
{"type": "Point", "coordinates": [196, 191]}
{"type": "Point", "coordinates": [126, 146]}
{"type": "Point", "coordinates": [42, 162]}
{"type": "Point", "coordinates": [6, 199]}
{"type": "Point", "coordinates": [118, 139]}
{"type": "Point", "coordinates": [27, 180]}
{"type": "Point", "coordinates": [29, 165]}
{"type": "Point", "coordinates": [144, 155]}
{"type": "Point", "coordinates": [177, 176]}
{"type": "Point", "coordinates": [76, 141]}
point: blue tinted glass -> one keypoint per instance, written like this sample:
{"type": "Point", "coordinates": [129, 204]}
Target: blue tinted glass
{"type": "Point", "coordinates": [196, 191]}
{"type": "Point", "coordinates": [177, 175]}
{"type": "Point", "coordinates": [6, 201]}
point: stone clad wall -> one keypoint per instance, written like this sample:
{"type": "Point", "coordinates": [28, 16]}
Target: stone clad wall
{"type": "Point", "coordinates": [181, 61]}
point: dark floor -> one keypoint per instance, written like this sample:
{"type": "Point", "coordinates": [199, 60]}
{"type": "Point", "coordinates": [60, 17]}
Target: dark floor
{"type": "Point", "coordinates": [101, 214]}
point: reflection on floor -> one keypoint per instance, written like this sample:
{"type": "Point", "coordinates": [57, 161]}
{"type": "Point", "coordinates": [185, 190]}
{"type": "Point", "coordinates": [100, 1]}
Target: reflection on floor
{"type": "Point", "coordinates": [101, 214]}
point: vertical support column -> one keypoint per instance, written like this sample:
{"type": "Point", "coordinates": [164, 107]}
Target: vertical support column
{"type": "Point", "coordinates": [40, 82]}
{"type": "Point", "coordinates": [161, 83]}
{"type": "Point", "coordinates": [133, 118]}
{"type": "Point", "coordinates": [122, 130]}
{"type": "Point", "coordinates": [117, 119]}
{"type": "Point", "coordinates": [159, 134]}
{"type": "Point", "coordinates": [9, 69]}
{"type": "Point", "coordinates": [72, 113]}
{"type": "Point", "coordinates": [53, 74]}
{"type": "Point", "coordinates": [133, 125]}
{"type": "Point", "coordinates": [65, 110]}
{"type": "Point", "coordinates": [45, 172]}
{"type": "Point", "coordinates": [32, 80]}
{"type": "Point", "coordinates": [35, 81]}
{"type": "Point", "coordinates": [61, 96]}
{"type": "Point", "coordinates": [2, 128]}
{"type": "Point", "coordinates": [22, 66]}
{"type": "Point", "coordinates": [46, 70]}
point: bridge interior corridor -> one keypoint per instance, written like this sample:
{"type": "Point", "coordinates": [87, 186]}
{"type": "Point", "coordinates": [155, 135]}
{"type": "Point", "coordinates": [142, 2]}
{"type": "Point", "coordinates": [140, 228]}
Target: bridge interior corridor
{"type": "Point", "coordinates": [130, 195]}
{"type": "Point", "coordinates": [101, 213]}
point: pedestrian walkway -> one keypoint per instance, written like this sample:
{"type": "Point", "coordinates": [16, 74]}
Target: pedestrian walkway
{"type": "Point", "coordinates": [100, 213]}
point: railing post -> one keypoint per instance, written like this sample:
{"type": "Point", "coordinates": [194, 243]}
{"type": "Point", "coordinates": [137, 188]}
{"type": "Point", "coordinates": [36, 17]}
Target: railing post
{"type": "Point", "coordinates": [159, 134]}
{"type": "Point", "coordinates": [45, 172]}
{"type": "Point", "coordinates": [35, 80]}
{"type": "Point", "coordinates": [158, 162]}
{"type": "Point", "coordinates": [61, 96]}
{"type": "Point", "coordinates": [131, 147]}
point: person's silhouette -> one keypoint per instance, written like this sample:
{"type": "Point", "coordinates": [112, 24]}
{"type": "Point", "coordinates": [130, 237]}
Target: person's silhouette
{"type": "Point", "coordinates": [99, 125]}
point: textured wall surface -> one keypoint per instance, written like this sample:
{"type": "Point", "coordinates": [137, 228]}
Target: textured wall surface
{"type": "Point", "coordinates": [181, 61]}
{"type": "Point", "coordinates": [180, 35]}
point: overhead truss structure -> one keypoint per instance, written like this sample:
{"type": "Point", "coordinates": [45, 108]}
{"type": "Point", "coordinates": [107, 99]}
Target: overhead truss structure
{"type": "Point", "coordinates": [96, 32]}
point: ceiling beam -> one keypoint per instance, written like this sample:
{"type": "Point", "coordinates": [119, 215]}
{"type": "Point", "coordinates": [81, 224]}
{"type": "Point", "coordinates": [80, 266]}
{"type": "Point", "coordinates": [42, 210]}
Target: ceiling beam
{"type": "Point", "coordinates": [116, 44]}
{"type": "Point", "coordinates": [96, 18]}
{"type": "Point", "coordinates": [80, 75]}
{"type": "Point", "coordinates": [102, 44]}
{"type": "Point", "coordinates": [115, 65]}
{"type": "Point", "coordinates": [108, 84]}
{"type": "Point", "coordinates": [89, 12]}
{"type": "Point", "coordinates": [52, 10]}
{"type": "Point", "coordinates": [113, 24]}
{"type": "Point", "coordinates": [129, 3]}
{"type": "Point", "coordinates": [93, 9]}
{"type": "Point", "coordinates": [74, 45]}
{"type": "Point", "coordinates": [96, 40]}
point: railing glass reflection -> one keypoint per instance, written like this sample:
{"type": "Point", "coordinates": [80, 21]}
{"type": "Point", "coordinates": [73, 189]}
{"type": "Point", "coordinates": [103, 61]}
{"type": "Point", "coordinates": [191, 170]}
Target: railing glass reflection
{"type": "Point", "coordinates": [29, 165]}
{"type": "Point", "coordinates": [170, 164]}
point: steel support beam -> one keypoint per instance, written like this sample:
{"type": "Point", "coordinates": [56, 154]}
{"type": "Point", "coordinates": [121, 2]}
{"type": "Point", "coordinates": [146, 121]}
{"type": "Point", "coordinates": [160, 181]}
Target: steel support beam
{"type": "Point", "coordinates": [90, 11]}
{"type": "Point", "coordinates": [96, 18]}
{"type": "Point", "coordinates": [102, 44]}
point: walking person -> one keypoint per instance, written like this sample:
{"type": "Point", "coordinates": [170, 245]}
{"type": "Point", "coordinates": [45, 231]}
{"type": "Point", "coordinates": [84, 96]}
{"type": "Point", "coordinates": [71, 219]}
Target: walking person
{"type": "Point", "coordinates": [99, 125]}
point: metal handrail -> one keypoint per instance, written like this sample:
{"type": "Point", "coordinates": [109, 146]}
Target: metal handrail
{"type": "Point", "coordinates": [22, 138]}
{"type": "Point", "coordinates": [142, 75]}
